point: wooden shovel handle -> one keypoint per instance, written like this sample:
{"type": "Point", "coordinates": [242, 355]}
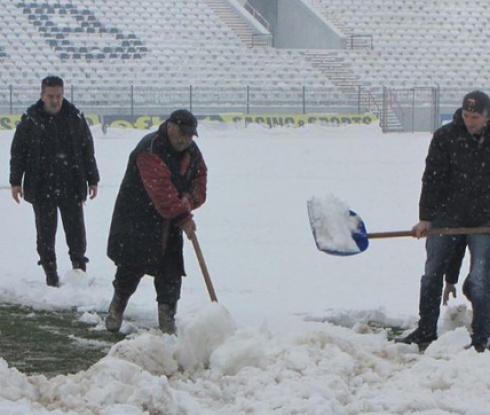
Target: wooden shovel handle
{"type": "Point", "coordinates": [204, 268]}
{"type": "Point", "coordinates": [433, 231]}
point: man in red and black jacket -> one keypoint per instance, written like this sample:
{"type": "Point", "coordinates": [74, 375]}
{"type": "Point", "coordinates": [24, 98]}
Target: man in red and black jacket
{"type": "Point", "coordinates": [165, 180]}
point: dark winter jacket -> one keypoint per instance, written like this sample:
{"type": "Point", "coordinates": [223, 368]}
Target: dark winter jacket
{"type": "Point", "coordinates": [149, 210]}
{"type": "Point", "coordinates": [456, 181]}
{"type": "Point", "coordinates": [53, 153]}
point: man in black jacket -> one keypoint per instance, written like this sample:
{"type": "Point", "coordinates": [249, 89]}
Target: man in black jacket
{"type": "Point", "coordinates": [53, 167]}
{"type": "Point", "coordinates": [456, 193]}
{"type": "Point", "coordinates": [165, 180]}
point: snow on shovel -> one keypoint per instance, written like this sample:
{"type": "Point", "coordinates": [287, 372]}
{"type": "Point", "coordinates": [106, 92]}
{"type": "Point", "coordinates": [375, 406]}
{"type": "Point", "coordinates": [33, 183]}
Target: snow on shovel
{"type": "Point", "coordinates": [337, 230]}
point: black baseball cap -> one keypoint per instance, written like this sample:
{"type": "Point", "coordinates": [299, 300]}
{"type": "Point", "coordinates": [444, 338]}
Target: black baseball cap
{"type": "Point", "coordinates": [185, 120]}
{"type": "Point", "coordinates": [477, 101]}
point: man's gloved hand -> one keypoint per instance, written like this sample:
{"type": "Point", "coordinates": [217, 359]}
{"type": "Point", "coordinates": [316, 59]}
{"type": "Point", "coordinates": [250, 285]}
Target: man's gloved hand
{"type": "Point", "coordinates": [189, 227]}
{"type": "Point", "coordinates": [448, 289]}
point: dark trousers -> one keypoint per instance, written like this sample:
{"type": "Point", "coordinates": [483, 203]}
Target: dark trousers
{"type": "Point", "coordinates": [439, 252]}
{"type": "Point", "coordinates": [476, 287]}
{"type": "Point", "coordinates": [455, 261]}
{"type": "Point", "coordinates": [46, 215]}
{"type": "Point", "coordinates": [167, 282]}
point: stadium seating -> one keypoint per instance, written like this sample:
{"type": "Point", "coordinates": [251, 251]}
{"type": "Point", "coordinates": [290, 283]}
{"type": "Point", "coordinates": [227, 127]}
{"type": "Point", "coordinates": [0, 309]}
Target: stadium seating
{"type": "Point", "coordinates": [415, 43]}
{"type": "Point", "coordinates": [96, 44]}
{"type": "Point", "coordinates": [151, 42]}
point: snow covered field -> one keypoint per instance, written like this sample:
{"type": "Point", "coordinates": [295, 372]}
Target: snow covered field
{"type": "Point", "coordinates": [290, 332]}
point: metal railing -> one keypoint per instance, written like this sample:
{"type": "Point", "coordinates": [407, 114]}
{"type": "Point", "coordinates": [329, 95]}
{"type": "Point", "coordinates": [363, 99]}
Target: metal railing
{"type": "Point", "coordinates": [133, 100]}
{"type": "Point", "coordinates": [261, 39]}
{"type": "Point", "coordinates": [357, 41]}
{"type": "Point", "coordinates": [257, 16]}
{"type": "Point", "coordinates": [415, 109]}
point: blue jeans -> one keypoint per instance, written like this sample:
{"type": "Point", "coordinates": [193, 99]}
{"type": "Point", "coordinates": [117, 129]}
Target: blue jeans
{"type": "Point", "coordinates": [477, 284]}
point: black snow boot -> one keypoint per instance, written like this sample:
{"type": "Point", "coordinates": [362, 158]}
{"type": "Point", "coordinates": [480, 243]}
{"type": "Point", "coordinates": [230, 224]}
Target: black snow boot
{"type": "Point", "coordinates": [80, 264]}
{"type": "Point", "coordinates": [166, 318]}
{"type": "Point", "coordinates": [52, 277]}
{"type": "Point", "coordinates": [419, 337]}
{"type": "Point", "coordinates": [479, 344]}
{"type": "Point", "coordinates": [114, 319]}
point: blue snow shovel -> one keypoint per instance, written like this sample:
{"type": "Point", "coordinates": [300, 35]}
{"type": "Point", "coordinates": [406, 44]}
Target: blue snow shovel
{"type": "Point", "coordinates": [354, 238]}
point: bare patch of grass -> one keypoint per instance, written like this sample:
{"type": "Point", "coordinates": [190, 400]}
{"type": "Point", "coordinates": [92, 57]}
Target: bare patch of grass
{"type": "Point", "coordinates": [50, 342]}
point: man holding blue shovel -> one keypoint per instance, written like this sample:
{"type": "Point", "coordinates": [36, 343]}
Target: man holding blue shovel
{"type": "Point", "coordinates": [456, 193]}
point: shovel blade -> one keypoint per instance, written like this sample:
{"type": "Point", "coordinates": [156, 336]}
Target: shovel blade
{"type": "Point", "coordinates": [337, 230]}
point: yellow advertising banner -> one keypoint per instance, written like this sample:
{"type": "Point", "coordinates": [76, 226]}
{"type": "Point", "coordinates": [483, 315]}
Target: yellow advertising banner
{"type": "Point", "coordinates": [148, 122]}
{"type": "Point", "coordinates": [145, 122]}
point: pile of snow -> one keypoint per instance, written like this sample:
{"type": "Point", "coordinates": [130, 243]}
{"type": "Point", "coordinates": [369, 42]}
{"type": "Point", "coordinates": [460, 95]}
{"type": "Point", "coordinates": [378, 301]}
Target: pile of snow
{"type": "Point", "coordinates": [296, 331]}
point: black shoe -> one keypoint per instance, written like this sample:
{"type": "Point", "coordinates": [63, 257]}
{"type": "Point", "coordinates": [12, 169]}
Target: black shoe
{"type": "Point", "coordinates": [419, 337]}
{"type": "Point", "coordinates": [114, 317]}
{"type": "Point", "coordinates": [166, 318]}
{"type": "Point", "coordinates": [80, 264]}
{"type": "Point", "coordinates": [478, 346]}
{"type": "Point", "coordinates": [52, 278]}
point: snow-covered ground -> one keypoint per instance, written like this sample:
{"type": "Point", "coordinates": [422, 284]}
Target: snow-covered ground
{"type": "Point", "coordinates": [290, 334]}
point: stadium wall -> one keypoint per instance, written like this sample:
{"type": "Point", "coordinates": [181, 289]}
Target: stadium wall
{"type": "Point", "coordinates": [295, 25]}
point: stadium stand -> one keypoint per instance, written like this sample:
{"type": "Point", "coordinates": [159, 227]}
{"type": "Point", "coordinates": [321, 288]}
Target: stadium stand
{"type": "Point", "coordinates": [149, 43]}
{"type": "Point", "coordinates": [414, 43]}
{"type": "Point", "coordinates": [107, 48]}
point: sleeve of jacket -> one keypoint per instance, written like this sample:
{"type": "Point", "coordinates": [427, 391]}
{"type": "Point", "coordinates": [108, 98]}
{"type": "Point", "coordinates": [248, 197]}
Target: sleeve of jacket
{"type": "Point", "coordinates": [435, 183]}
{"type": "Point", "coordinates": [157, 181]}
{"type": "Point", "coordinates": [18, 153]}
{"type": "Point", "coordinates": [88, 153]}
{"type": "Point", "coordinates": [197, 192]}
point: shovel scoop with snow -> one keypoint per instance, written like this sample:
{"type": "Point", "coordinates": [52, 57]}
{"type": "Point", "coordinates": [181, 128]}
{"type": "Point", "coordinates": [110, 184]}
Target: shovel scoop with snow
{"type": "Point", "coordinates": [337, 230]}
